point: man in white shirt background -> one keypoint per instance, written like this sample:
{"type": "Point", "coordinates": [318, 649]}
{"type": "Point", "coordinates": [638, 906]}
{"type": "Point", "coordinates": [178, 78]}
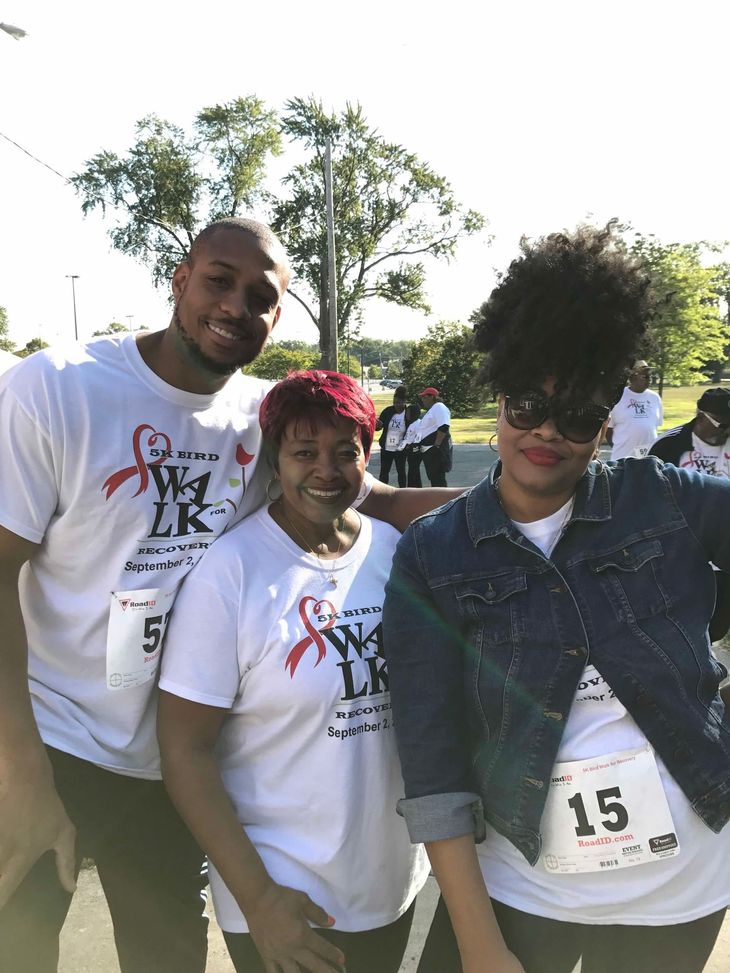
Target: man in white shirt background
{"type": "Point", "coordinates": [636, 417]}
{"type": "Point", "coordinates": [435, 436]}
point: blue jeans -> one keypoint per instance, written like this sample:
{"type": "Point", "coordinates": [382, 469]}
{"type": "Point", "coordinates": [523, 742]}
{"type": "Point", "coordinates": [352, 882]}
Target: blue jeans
{"type": "Point", "coordinates": [150, 867]}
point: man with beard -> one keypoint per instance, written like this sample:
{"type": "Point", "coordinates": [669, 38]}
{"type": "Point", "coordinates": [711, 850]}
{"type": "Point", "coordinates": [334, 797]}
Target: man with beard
{"type": "Point", "coordinates": [125, 459]}
{"type": "Point", "coordinates": [703, 444]}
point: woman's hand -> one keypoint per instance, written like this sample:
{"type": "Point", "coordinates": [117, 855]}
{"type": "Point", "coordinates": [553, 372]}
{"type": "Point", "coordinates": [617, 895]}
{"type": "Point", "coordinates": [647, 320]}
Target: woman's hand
{"type": "Point", "coordinates": [280, 927]}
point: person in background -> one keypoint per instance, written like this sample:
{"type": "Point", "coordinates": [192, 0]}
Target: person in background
{"type": "Point", "coordinates": [410, 446]}
{"type": "Point", "coordinates": [435, 436]}
{"type": "Point", "coordinates": [703, 444]}
{"type": "Point", "coordinates": [636, 417]}
{"type": "Point", "coordinates": [277, 743]}
{"type": "Point", "coordinates": [564, 740]}
{"type": "Point", "coordinates": [392, 424]}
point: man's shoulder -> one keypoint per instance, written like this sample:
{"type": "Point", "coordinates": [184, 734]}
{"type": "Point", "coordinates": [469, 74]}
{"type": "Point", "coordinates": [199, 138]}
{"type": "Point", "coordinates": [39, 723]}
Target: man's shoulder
{"type": "Point", "coordinates": [54, 364]}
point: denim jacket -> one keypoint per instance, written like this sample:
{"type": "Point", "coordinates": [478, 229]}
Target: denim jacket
{"type": "Point", "coordinates": [486, 640]}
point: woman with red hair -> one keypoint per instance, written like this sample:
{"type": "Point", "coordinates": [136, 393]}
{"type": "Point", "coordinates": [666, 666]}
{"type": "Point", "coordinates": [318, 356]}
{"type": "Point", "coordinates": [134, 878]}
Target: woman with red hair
{"type": "Point", "coordinates": [275, 724]}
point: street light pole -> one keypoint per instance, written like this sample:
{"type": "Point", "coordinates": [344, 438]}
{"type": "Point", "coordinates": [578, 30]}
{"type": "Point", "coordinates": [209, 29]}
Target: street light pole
{"type": "Point", "coordinates": [74, 278]}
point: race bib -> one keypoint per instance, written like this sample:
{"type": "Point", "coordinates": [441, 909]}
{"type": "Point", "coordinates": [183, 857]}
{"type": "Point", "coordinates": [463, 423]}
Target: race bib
{"type": "Point", "coordinates": [137, 623]}
{"type": "Point", "coordinates": [606, 813]}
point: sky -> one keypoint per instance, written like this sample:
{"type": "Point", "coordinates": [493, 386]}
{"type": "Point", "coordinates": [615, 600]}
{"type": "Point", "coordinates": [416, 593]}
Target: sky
{"type": "Point", "coordinates": [541, 116]}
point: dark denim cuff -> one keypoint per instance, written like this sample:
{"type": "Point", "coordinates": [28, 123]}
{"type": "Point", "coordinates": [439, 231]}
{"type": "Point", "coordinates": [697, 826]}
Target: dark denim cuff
{"type": "Point", "coordinates": [436, 817]}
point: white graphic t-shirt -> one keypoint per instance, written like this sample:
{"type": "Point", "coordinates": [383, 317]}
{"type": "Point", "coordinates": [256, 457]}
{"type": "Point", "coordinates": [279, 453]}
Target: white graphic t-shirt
{"type": "Point", "coordinates": [635, 420]}
{"type": "Point", "coordinates": [396, 431]}
{"type": "Point", "coordinates": [307, 753]}
{"type": "Point", "coordinates": [124, 481]}
{"type": "Point", "coordinates": [704, 458]}
{"type": "Point", "coordinates": [438, 415]}
{"type": "Point", "coordinates": [693, 883]}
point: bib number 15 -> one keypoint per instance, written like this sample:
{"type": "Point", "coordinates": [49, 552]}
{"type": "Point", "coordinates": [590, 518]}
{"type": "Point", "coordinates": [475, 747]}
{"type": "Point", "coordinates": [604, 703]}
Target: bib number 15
{"type": "Point", "coordinates": [616, 816]}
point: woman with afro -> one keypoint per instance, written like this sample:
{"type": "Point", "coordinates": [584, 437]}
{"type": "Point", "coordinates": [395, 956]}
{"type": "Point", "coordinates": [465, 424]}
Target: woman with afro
{"type": "Point", "coordinates": [564, 743]}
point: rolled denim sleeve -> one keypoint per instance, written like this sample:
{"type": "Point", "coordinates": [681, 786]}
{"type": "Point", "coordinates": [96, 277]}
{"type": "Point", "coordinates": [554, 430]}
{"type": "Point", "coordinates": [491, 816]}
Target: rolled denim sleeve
{"type": "Point", "coordinates": [425, 652]}
{"type": "Point", "coordinates": [440, 816]}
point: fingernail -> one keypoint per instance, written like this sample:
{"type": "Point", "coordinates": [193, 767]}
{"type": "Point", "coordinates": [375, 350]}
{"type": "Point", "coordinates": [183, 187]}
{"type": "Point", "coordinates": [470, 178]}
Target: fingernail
{"type": "Point", "coordinates": [330, 920]}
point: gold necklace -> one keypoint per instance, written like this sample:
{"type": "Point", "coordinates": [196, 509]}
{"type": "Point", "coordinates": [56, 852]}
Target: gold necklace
{"type": "Point", "coordinates": [331, 579]}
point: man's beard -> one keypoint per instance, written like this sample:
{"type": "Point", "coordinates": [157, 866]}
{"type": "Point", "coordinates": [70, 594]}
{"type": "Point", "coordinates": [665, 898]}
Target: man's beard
{"type": "Point", "coordinates": [198, 356]}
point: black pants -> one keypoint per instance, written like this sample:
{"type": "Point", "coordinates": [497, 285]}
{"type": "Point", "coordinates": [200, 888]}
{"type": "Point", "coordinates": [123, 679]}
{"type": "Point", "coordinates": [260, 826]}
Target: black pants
{"type": "Point", "coordinates": [549, 946]}
{"type": "Point", "coordinates": [433, 460]}
{"type": "Point", "coordinates": [151, 869]}
{"type": "Point", "coordinates": [374, 951]}
{"type": "Point", "coordinates": [414, 468]}
{"type": "Point", "coordinates": [387, 457]}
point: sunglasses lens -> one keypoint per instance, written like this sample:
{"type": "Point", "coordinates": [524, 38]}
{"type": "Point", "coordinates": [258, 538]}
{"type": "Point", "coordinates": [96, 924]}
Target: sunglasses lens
{"type": "Point", "coordinates": [580, 424]}
{"type": "Point", "coordinates": [525, 411]}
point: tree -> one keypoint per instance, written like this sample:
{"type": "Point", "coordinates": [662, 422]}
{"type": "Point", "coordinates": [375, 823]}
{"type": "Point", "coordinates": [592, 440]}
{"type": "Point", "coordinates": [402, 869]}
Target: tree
{"type": "Point", "coordinates": [116, 327]}
{"type": "Point", "coordinates": [687, 330]}
{"type": "Point", "coordinates": [35, 344]}
{"type": "Point", "coordinates": [390, 210]}
{"type": "Point", "coordinates": [446, 358]}
{"type": "Point", "coordinates": [276, 362]}
{"type": "Point", "coordinates": [169, 185]}
{"type": "Point", "coordinates": [5, 342]}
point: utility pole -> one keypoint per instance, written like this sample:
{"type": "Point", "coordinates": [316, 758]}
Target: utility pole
{"type": "Point", "coordinates": [129, 321]}
{"type": "Point", "coordinates": [331, 258]}
{"type": "Point", "coordinates": [74, 278]}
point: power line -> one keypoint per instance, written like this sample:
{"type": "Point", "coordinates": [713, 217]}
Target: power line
{"type": "Point", "coordinates": [35, 158]}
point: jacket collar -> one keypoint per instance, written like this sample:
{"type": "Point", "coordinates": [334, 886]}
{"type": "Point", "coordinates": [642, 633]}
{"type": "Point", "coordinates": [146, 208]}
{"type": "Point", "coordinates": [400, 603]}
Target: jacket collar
{"type": "Point", "coordinates": [485, 517]}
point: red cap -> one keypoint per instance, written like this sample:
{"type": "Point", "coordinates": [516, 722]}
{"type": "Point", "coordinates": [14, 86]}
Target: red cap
{"type": "Point", "coordinates": [429, 391]}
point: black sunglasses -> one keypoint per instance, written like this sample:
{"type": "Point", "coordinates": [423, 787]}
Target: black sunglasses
{"type": "Point", "coordinates": [578, 423]}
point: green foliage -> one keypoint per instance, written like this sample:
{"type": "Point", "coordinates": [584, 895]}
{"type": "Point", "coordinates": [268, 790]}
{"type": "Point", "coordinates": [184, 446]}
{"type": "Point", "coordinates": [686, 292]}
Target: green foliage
{"type": "Point", "coordinates": [446, 359]}
{"type": "Point", "coordinates": [688, 330]}
{"type": "Point", "coordinates": [35, 344]}
{"type": "Point", "coordinates": [389, 208]}
{"type": "Point", "coordinates": [5, 342]}
{"type": "Point", "coordinates": [276, 361]}
{"type": "Point", "coordinates": [169, 185]}
{"type": "Point", "coordinates": [116, 327]}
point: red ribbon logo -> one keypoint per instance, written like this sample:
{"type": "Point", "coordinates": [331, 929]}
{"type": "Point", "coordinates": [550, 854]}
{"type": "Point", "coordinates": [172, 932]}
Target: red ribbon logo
{"type": "Point", "coordinates": [314, 637]}
{"type": "Point", "coordinates": [121, 476]}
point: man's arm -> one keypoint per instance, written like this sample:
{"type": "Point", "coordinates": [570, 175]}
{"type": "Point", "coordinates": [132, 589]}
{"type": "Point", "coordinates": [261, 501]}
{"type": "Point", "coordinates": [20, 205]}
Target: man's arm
{"type": "Point", "coordinates": [441, 434]}
{"type": "Point", "coordinates": [32, 817]}
{"type": "Point", "coordinates": [399, 507]}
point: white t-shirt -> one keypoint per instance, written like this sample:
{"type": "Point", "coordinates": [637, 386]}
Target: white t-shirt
{"type": "Point", "coordinates": [413, 434]}
{"type": "Point", "coordinates": [438, 415]}
{"type": "Point", "coordinates": [695, 883]}
{"type": "Point", "coordinates": [635, 420]}
{"type": "Point", "coordinates": [714, 460]}
{"type": "Point", "coordinates": [307, 753]}
{"type": "Point", "coordinates": [124, 481]}
{"type": "Point", "coordinates": [395, 432]}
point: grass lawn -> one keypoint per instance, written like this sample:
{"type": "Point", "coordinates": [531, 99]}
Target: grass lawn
{"type": "Point", "coordinates": [679, 407]}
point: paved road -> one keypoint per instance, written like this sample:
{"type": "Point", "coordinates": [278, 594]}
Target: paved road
{"type": "Point", "coordinates": [87, 944]}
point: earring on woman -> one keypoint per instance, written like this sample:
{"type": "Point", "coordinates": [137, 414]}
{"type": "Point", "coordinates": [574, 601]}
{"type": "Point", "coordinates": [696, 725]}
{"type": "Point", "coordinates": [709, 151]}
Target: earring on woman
{"type": "Point", "coordinates": [274, 479]}
{"type": "Point", "coordinates": [491, 441]}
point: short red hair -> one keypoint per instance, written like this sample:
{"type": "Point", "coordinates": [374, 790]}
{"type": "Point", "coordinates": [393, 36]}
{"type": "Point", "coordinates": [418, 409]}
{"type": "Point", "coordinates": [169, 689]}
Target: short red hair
{"type": "Point", "coordinates": [309, 396]}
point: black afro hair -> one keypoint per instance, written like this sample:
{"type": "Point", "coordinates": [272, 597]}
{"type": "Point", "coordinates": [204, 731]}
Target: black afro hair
{"type": "Point", "coordinates": [575, 307]}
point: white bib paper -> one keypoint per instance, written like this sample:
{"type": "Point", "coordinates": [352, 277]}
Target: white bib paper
{"type": "Point", "coordinates": [606, 813]}
{"type": "Point", "coordinates": [137, 623]}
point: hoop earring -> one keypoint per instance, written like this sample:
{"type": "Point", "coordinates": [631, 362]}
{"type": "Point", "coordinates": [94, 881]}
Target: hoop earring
{"type": "Point", "coordinates": [272, 481]}
{"type": "Point", "coordinates": [600, 468]}
{"type": "Point", "coordinates": [491, 443]}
